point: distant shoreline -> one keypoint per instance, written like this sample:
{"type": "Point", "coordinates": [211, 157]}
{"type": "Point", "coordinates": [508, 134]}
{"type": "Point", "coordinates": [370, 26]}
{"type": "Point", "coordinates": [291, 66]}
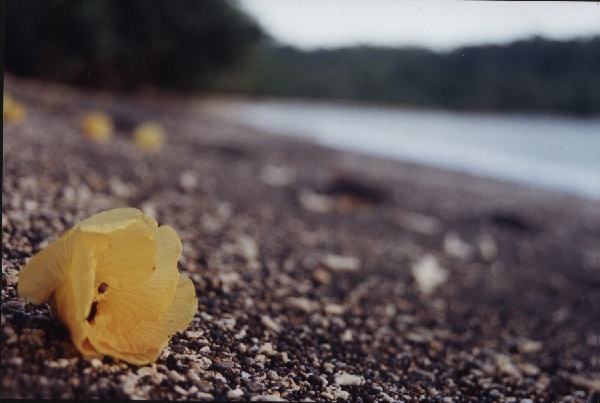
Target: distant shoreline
{"type": "Point", "coordinates": [553, 152]}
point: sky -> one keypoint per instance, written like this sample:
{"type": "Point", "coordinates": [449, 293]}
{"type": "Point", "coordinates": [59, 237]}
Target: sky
{"type": "Point", "coordinates": [438, 25]}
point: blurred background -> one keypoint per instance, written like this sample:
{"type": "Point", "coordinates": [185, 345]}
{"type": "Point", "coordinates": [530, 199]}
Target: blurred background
{"type": "Point", "coordinates": [518, 56]}
{"type": "Point", "coordinates": [401, 79]}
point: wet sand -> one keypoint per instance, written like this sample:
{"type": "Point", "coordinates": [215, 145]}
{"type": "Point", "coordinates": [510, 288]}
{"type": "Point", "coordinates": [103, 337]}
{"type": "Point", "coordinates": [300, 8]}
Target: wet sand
{"type": "Point", "coordinates": [320, 274]}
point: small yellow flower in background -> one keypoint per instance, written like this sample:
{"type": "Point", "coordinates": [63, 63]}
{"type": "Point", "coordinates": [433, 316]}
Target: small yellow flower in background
{"type": "Point", "coordinates": [97, 126]}
{"type": "Point", "coordinates": [12, 110]}
{"type": "Point", "coordinates": [113, 281]}
{"type": "Point", "coordinates": [149, 136]}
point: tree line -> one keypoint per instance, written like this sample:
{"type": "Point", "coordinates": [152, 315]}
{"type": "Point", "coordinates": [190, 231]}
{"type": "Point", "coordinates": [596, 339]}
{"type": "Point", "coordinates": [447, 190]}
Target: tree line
{"type": "Point", "coordinates": [530, 75]}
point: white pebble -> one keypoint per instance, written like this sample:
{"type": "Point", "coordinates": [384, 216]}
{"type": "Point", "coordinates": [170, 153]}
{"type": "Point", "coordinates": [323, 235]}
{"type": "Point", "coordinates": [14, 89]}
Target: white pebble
{"type": "Point", "coordinates": [454, 246]}
{"type": "Point", "coordinates": [194, 334]}
{"type": "Point", "coordinates": [266, 398]}
{"type": "Point", "coordinates": [506, 367]}
{"type": "Point", "coordinates": [175, 376]}
{"type": "Point", "coordinates": [96, 363]}
{"type": "Point", "coordinates": [128, 384]}
{"type": "Point", "coordinates": [145, 371]}
{"type": "Point", "coordinates": [341, 263]}
{"type": "Point", "coordinates": [529, 346]}
{"type": "Point", "coordinates": [119, 188]}
{"type": "Point", "coordinates": [235, 394]}
{"type": "Point", "coordinates": [270, 323]}
{"type": "Point", "coordinates": [204, 396]}
{"type": "Point", "coordinates": [149, 209]}
{"type": "Point", "coordinates": [188, 181]}
{"type": "Point", "coordinates": [416, 222]}
{"type": "Point", "coordinates": [348, 379]}
{"type": "Point", "coordinates": [193, 376]}
{"type": "Point", "coordinates": [246, 246]}
{"type": "Point", "coordinates": [428, 274]}
{"type": "Point", "coordinates": [230, 279]}
{"type": "Point", "coordinates": [315, 202]}
{"type": "Point", "coordinates": [334, 309]}
{"type": "Point", "coordinates": [302, 304]}
{"type": "Point", "coordinates": [180, 390]}
{"type": "Point", "coordinates": [267, 348]}
{"type": "Point", "coordinates": [347, 336]}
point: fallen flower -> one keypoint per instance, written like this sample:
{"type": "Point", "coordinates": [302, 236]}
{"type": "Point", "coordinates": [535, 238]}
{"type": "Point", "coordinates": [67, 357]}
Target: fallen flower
{"type": "Point", "coordinates": [113, 281]}
{"type": "Point", "coordinates": [97, 126]}
{"type": "Point", "coordinates": [13, 111]}
{"type": "Point", "coordinates": [149, 136]}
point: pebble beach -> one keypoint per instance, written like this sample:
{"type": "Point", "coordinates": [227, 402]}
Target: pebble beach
{"type": "Point", "coordinates": [321, 275]}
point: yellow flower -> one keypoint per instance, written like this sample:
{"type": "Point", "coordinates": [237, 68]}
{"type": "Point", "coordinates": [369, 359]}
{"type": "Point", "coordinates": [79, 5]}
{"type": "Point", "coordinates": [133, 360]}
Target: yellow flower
{"type": "Point", "coordinates": [149, 136]}
{"type": "Point", "coordinates": [113, 281]}
{"type": "Point", "coordinates": [12, 110]}
{"type": "Point", "coordinates": [97, 126]}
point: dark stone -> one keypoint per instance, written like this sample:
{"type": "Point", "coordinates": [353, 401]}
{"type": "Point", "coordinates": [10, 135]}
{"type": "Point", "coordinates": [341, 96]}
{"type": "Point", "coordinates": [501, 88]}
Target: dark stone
{"type": "Point", "coordinates": [223, 365]}
{"type": "Point", "coordinates": [171, 361]}
{"type": "Point", "coordinates": [255, 387]}
{"type": "Point", "coordinates": [315, 380]}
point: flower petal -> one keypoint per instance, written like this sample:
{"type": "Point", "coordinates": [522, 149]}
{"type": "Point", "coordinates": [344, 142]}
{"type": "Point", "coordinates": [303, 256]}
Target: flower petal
{"type": "Point", "coordinates": [110, 220]}
{"type": "Point", "coordinates": [126, 307]}
{"type": "Point", "coordinates": [129, 257]}
{"type": "Point", "coordinates": [47, 270]}
{"type": "Point", "coordinates": [168, 247]}
{"type": "Point", "coordinates": [145, 344]}
{"type": "Point", "coordinates": [72, 301]}
{"type": "Point", "coordinates": [182, 310]}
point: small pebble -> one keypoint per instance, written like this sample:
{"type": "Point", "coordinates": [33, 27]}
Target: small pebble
{"type": "Point", "coordinates": [302, 304]}
{"type": "Point", "coordinates": [334, 309]}
{"type": "Point", "coordinates": [96, 363]}
{"type": "Point", "coordinates": [348, 379]}
{"type": "Point", "coordinates": [341, 263]}
{"type": "Point", "coordinates": [428, 274]}
{"type": "Point", "coordinates": [455, 246]}
{"type": "Point", "coordinates": [193, 376]}
{"type": "Point", "coordinates": [235, 394]}
{"type": "Point", "coordinates": [223, 365]}
{"type": "Point", "coordinates": [255, 387]}
{"type": "Point", "coordinates": [529, 346]}
{"type": "Point", "coordinates": [322, 276]}
{"type": "Point", "coordinates": [175, 376]}
{"type": "Point", "coordinates": [270, 323]}
{"type": "Point", "coordinates": [188, 181]}
{"type": "Point", "coordinates": [315, 202]}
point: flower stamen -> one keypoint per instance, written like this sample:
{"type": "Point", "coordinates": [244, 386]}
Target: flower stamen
{"type": "Point", "coordinates": [93, 311]}
{"type": "Point", "coordinates": [102, 288]}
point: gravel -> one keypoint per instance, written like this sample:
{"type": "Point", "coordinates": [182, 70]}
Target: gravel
{"type": "Point", "coordinates": [302, 258]}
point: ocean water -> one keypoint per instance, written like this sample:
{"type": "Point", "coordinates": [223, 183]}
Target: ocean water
{"type": "Point", "coordinates": [557, 152]}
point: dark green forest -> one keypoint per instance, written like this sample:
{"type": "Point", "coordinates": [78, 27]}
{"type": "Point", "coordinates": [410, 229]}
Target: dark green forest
{"type": "Point", "coordinates": [125, 44]}
{"type": "Point", "coordinates": [527, 75]}
{"type": "Point", "coordinates": [211, 46]}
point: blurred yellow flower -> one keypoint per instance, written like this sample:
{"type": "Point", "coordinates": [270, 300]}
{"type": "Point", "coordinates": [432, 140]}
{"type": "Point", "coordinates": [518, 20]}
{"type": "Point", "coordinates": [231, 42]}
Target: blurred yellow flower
{"type": "Point", "coordinates": [113, 281]}
{"type": "Point", "coordinates": [12, 110]}
{"type": "Point", "coordinates": [97, 126]}
{"type": "Point", "coordinates": [149, 136]}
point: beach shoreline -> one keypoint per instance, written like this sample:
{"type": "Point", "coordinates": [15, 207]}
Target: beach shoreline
{"type": "Point", "coordinates": [305, 261]}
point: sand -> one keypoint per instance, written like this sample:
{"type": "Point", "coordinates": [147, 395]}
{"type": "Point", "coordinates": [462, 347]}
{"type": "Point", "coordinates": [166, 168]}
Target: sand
{"type": "Point", "coordinates": [321, 275]}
